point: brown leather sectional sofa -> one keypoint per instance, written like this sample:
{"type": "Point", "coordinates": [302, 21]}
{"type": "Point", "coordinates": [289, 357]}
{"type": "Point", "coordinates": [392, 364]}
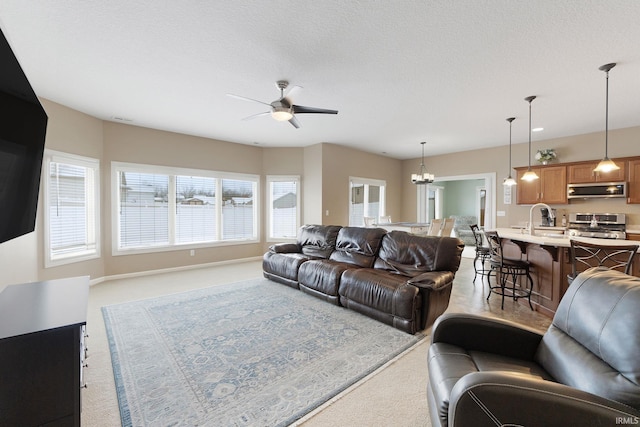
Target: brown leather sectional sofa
{"type": "Point", "coordinates": [397, 278]}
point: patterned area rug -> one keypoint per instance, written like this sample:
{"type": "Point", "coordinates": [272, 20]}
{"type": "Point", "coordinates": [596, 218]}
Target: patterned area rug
{"type": "Point", "coordinates": [252, 353]}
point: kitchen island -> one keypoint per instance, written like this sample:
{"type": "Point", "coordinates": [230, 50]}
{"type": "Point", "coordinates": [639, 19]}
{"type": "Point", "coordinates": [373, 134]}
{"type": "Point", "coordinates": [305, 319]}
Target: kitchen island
{"type": "Point", "coordinates": [548, 253]}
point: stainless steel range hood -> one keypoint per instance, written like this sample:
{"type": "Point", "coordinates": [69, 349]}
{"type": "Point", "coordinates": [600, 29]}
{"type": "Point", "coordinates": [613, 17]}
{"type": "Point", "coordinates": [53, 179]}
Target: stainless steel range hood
{"type": "Point", "coordinates": [597, 190]}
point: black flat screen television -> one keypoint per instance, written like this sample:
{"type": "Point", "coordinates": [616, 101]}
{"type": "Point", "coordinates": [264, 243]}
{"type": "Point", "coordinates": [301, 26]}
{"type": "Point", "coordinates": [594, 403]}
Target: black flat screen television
{"type": "Point", "coordinates": [23, 125]}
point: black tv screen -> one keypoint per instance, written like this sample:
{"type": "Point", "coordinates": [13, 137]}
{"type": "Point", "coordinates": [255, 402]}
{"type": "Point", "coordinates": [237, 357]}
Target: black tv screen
{"type": "Point", "coordinates": [23, 125]}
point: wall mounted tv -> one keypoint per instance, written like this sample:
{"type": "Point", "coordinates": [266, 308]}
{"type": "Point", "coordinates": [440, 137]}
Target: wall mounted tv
{"type": "Point", "coordinates": [23, 124]}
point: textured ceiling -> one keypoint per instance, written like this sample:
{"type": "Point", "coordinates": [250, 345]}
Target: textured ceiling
{"type": "Point", "coordinates": [399, 72]}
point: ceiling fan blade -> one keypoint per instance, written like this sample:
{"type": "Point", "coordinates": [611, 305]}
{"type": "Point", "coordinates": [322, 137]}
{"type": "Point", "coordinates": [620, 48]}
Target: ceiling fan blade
{"type": "Point", "coordinates": [294, 122]}
{"type": "Point", "coordinates": [266, 113]}
{"type": "Point", "coordinates": [300, 109]}
{"type": "Point", "coordinates": [244, 98]}
{"type": "Point", "coordinates": [292, 91]}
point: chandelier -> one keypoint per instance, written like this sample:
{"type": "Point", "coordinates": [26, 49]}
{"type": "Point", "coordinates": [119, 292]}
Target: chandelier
{"type": "Point", "coordinates": [423, 177]}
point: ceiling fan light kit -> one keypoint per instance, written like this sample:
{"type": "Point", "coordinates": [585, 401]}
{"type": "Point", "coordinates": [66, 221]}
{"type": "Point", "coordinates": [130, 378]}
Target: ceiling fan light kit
{"type": "Point", "coordinates": [281, 114]}
{"type": "Point", "coordinates": [283, 109]}
{"type": "Point", "coordinates": [606, 164]}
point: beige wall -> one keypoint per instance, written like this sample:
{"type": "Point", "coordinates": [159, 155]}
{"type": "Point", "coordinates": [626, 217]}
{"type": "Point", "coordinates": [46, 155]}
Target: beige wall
{"type": "Point", "coordinates": [339, 163]}
{"type": "Point", "coordinates": [312, 185]}
{"type": "Point", "coordinates": [622, 143]}
{"type": "Point", "coordinates": [126, 143]}
{"type": "Point", "coordinates": [325, 170]}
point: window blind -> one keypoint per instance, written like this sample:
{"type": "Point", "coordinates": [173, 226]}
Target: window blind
{"type": "Point", "coordinates": [195, 209]}
{"type": "Point", "coordinates": [72, 200]}
{"type": "Point", "coordinates": [238, 210]}
{"type": "Point", "coordinates": [143, 209]}
{"type": "Point", "coordinates": [283, 205]}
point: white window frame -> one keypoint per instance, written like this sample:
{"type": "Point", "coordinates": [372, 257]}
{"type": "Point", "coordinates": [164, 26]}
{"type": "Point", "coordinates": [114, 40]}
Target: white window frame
{"type": "Point", "coordinates": [172, 172]}
{"type": "Point", "coordinates": [353, 181]}
{"type": "Point", "coordinates": [91, 191]}
{"type": "Point", "coordinates": [281, 178]}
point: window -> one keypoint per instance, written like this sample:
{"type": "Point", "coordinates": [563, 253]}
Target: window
{"type": "Point", "coordinates": [283, 206]}
{"type": "Point", "coordinates": [239, 220]}
{"type": "Point", "coordinates": [159, 208]}
{"type": "Point", "coordinates": [143, 209]}
{"type": "Point", "coordinates": [71, 200]}
{"type": "Point", "coordinates": [367, 199]}
{"type": "Point", "coordinates": [195, 209]}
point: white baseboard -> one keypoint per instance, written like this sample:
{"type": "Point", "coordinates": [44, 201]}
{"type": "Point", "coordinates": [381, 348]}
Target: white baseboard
{"type": "Point", "coordinates": [170, 270]}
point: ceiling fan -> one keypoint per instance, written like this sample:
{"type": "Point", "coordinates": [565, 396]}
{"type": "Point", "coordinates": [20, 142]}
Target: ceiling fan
{"type": "Point", "coordinates": [283, 109]}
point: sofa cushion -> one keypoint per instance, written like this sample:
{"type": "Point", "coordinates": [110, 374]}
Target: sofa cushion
{"type": "Point", "coordinates": [411, 255]}
{"type": "Point", "coordinates": [598, 324]}
{"type": "Point", "coordinates": [447, 363]}
{"type": "Point", "coordinates": [355, 247]}
{"type": "Point", "coordinates": [358, 245]}
{"type": "Point", "coordinates": [321, 278]}
{"type": "Point", "coordinates": [318, 240]}
{"type": "Point", "coordinates": [383, 295]}
{"type": "Point", "coordinates": [283, 267]}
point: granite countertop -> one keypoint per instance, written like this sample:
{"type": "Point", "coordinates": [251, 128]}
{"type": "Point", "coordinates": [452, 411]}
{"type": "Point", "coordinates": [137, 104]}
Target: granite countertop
{"type": "Point", "coordinates": [556, 238]}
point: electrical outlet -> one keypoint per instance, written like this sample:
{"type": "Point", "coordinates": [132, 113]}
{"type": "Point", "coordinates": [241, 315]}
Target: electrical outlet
{"type": "Point", "coordinates": [326, 213]}
{"type": "Point", "coordinates": [193, 252]}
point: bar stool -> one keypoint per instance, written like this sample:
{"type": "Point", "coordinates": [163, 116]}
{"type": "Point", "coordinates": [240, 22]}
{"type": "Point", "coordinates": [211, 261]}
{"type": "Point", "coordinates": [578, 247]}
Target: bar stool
{"type": "Point", "coordinates": [586, 255]}
{"type": "Point", "coordinates": [482, 253]}
{"type": "Point", "coordinates": [506, 268]}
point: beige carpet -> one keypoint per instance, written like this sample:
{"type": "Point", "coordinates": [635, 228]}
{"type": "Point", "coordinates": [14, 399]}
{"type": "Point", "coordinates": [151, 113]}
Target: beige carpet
{"type": "Point", "coordinates": [393, 396]}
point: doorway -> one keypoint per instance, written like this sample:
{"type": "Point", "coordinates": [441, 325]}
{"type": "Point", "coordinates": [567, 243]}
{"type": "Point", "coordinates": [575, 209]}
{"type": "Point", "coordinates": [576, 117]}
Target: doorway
{"type": "Point", "coordinates": [433, 199]}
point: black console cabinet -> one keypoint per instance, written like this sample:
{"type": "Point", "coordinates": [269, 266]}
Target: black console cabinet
{"type": "Point", "coordinates": [41, 333]}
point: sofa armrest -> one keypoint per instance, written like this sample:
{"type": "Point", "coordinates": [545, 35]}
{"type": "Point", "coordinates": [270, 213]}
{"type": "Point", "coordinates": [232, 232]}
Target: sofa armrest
{"type": "Point", "coordinates": [432, 280]}
{"type": "Point", "coordinates": [507, 398]}
{"type": "Point", "coordinates": [479, 333]}
{"type": "Point", "coordinates": [285, 248]}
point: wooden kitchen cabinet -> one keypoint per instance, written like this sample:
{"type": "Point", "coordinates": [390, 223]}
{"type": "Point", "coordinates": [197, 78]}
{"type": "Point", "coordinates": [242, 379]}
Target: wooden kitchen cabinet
{"type": "Point", "coordinates": [633, 189]}
{"type": "Point", "coordinates": [548, 272]}
{"type": "Point", "coordinates": [583, 173]}
{"type": "Point", "coordinates": [550, 188]}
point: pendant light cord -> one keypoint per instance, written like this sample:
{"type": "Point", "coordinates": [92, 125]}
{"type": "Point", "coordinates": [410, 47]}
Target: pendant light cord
{"type": "Point", "coordinates": [606, 121]}
{"type": "Point", "coordinates": [530, 134]}
{"type": "Point", "coordinates": [510, 120]}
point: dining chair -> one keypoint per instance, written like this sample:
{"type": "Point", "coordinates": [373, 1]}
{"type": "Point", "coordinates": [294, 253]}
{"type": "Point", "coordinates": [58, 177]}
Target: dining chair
{"type": "Point", "coordinates": [369, 221]}
{"type": "Point", "coordinates": [434, 227]}
{"type": "Point", "coordinates": [447, 226]}
{"type": "Point", "coordinates": [384, 219]}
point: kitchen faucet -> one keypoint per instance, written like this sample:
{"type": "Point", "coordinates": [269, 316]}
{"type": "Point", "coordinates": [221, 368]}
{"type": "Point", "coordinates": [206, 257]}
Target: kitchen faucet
{"type": "Point", "coordinates": [537, 205]}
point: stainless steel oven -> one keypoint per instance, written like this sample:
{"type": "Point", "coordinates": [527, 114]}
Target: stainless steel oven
{"type": "Point", "coordinates": [598, 225]}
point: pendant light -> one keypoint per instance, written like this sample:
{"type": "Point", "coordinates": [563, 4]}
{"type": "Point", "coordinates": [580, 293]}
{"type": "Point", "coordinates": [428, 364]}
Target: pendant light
{"type": "Point", "coordinates": [606, 165]}
{"type": "Point", "coordinates": [423, 177]}
{"type": "Point", "coordinates": [529, 175]}
{"type": "Point", "coordinates": [508, 181]}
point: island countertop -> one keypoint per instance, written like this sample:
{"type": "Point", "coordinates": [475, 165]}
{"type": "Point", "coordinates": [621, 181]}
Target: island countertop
{"type": "Point", "coordinates": [556, 238]}
{"type": "Point", "coordinates": [547, 251]}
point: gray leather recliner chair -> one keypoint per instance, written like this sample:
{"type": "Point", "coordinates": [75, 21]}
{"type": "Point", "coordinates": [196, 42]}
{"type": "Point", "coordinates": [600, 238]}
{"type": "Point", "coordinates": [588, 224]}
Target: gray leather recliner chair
{"type": "Point", "coordinates": [585, 370]}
